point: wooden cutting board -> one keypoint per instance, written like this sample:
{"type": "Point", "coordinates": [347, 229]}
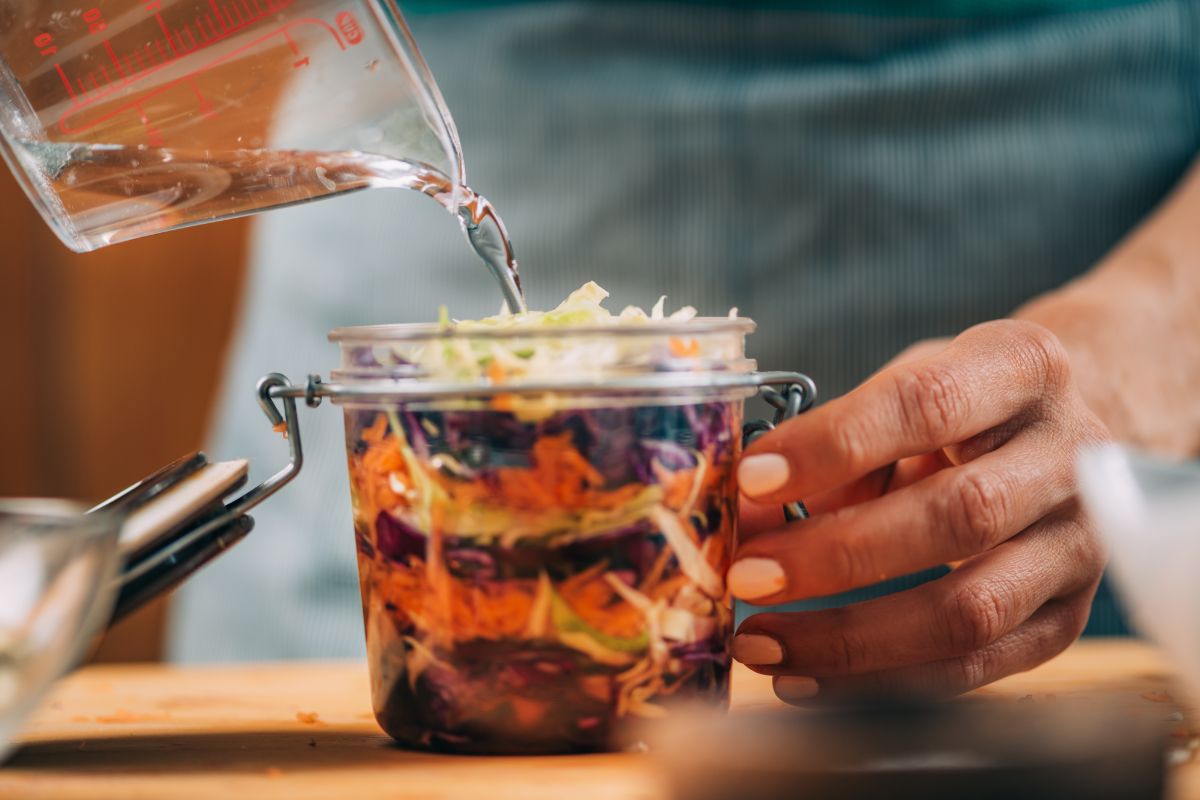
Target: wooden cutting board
{"type": "Point", "coordinates": [304, 730]}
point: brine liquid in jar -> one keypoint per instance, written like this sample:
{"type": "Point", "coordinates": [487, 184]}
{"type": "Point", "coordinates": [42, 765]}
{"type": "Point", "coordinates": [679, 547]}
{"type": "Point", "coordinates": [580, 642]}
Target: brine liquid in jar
{"type": "Point", "coordinates": [542, 586]}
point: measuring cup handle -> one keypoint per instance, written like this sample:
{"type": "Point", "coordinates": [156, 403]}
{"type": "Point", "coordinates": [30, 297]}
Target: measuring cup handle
{"type": "Point", "coordinates": [797, 396]}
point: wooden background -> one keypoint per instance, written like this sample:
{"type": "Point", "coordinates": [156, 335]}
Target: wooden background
{"type": "Point", "coordinates": [110, 362]}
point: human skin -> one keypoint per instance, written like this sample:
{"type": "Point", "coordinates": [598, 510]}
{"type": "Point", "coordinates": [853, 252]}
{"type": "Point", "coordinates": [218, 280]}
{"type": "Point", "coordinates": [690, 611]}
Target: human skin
{"type": "Point", "coordinates": [962, 452]}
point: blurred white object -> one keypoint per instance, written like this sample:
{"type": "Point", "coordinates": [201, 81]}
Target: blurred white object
{"type": "Point", "coordinates": [1148, 512]}
{"type": "Point", "coordinates": [56, 567]}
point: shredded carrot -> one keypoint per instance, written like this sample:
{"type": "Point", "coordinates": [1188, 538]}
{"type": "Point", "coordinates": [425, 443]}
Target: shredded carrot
{"type": "Point", "coordinates": [677, 486]}
{"type": "Point", "coordinates": [378, 429]}
{"type": "Point", "coordinates": [496, 373]}
{"type": "Point", "coordinates": [558, 477]}
{"type": "Point", "coordinates": [596, 603]}
{"type": "Point", "coordinates": [499, 610]}
{"type": "Point", "coordinates": [680, 486]}
{"type": "Point", "coordinates": [477, 611]}
{"type": "Point", "coordinates": [371, 473]}
{"type": "Point", "coordinates": [684, 349]}
{"type": "Point", "coordinates": [573, 582]}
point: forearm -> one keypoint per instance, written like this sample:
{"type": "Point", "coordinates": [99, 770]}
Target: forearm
{"type": "Point", "coordinates": [1132, 327]}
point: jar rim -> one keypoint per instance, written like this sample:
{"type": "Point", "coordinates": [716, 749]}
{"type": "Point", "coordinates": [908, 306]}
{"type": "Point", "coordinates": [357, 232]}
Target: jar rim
{"type": "Point", "coordinates": [417, 331]}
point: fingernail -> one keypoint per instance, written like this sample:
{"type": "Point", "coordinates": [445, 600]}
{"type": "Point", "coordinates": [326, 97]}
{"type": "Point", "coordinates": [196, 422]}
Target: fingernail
{"type": "Point", "coordinates": [759, 475]}
{"type": "Point", "coordinates": [794, 688]}
{"type": "Point", "coordinates": [756, 649]}
{"type": "Point", "coordinates": [751, 578]}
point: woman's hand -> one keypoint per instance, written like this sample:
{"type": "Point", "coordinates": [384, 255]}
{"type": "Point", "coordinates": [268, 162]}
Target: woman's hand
{"type": "Point", "coordinates": [958, 453]}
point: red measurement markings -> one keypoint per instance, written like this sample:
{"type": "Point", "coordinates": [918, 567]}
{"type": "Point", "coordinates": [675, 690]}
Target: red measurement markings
{"type": "Point", "coordinates": [95, 20]}
{"type": "Point", "coordinates": [217, 13]}
{"type": "Point", "coordinates": [44, 42]}
{"type": "Point", "coordinates": [349, 27]}
{"type": "Point", "coordinates": [189, 46]}
{"type": "Point", "coordinates": [66, 81]}
{"type": "Point", "coordinates": [111, 54]}
{"type": "Point", "coordinates": [138, 102]}
{"type": "Point", "coordinates": [162, 25]}
{"type": "Point", "coordinates": [162, 50]}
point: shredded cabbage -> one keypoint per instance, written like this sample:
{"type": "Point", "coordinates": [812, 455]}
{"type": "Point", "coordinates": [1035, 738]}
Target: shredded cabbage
{"type": "Point", "coordinates": [583, 307]}
{"type": "Point", "coordinates": [499, 362]}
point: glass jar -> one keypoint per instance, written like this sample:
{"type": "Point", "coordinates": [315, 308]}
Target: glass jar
{"type": "Point", "coordinates": [542, 546]}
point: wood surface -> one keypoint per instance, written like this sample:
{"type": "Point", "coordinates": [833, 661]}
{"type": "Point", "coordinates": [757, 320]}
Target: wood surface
{"type": "Point", "coordinates": [305, 730]}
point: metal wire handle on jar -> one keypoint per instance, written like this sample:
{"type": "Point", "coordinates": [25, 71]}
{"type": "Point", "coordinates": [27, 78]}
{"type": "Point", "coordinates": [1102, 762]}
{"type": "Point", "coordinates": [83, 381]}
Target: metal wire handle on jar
{"type": "Point", "coordinates": [183, 553]}
{"type": "Point", "coordinates": [797, 394]}
{"type": "Point", "coordinates": [796, 398]}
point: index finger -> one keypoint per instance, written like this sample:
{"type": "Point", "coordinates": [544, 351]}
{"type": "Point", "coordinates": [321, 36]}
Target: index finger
{"type": "Point", "coordinates": [985, 377]}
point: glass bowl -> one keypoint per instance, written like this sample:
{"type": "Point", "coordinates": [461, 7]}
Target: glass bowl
{"type": "Point", "coordinates": [1148, 511]}
{"type": "Point", "coordinates": [56, 567]}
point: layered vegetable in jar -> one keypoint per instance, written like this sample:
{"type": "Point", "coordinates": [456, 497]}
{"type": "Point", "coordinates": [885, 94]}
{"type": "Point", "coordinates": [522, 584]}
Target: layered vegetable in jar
{"type": "Point", "coordinates": [544, 519]}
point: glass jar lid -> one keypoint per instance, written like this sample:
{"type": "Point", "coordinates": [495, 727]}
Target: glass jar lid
{"type": "Point", "coordinates": [446, 359]}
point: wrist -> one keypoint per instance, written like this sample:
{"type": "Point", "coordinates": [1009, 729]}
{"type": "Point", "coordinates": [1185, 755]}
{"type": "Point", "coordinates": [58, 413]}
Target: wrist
{"type": "Point", "coordinates": [1132, 330]}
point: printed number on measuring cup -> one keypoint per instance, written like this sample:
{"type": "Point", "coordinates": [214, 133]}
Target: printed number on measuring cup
{"type": "Point", "coordinates": [44, 42]}
{"type": "Point", "coordinates": [349, 27]}
{"type": "Point", "coordinates": [94, 20]}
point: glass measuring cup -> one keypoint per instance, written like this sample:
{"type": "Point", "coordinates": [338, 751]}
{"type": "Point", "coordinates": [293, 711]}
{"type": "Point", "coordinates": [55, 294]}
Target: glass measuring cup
{"type": "Point", "coordinates": [122, 118]}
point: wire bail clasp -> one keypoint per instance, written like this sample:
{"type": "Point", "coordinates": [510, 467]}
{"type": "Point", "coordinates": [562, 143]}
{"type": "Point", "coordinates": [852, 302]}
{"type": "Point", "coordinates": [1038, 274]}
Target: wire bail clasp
{"type": "Point", "coordinates": [795, 398]}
